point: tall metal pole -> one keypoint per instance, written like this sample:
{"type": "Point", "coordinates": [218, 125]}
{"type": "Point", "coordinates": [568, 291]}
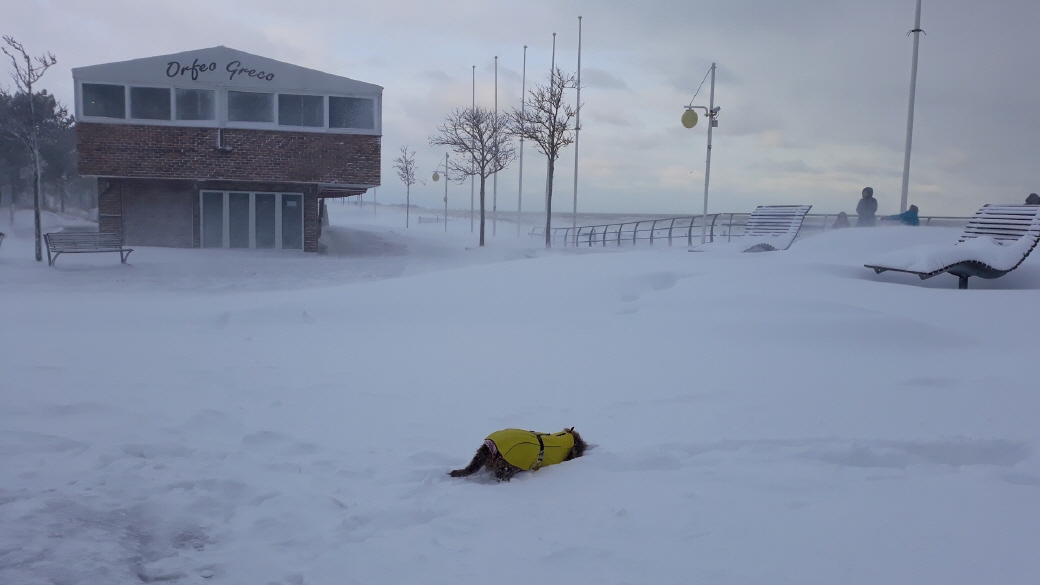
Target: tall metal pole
{"type": "Point", "coordinates": [473, 106]}
{"type": "Point", "coordinates": [552, 71]}
{"type": "Point", "coordinates": [523, 102]}
{"type": "Point", "coordinates": [707, 163]}
{"type": "Point", "coordinates": [445, 192]}
{"type": "Point", "coordinates": [910, 112]}
{"type": "Point", "coordinates": [494, 179]}
{"type": "Point", "coordinates": [577, 129]}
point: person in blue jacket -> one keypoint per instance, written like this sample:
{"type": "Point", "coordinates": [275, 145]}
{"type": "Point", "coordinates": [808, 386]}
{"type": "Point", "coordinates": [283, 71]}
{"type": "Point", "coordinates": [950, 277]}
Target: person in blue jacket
{"type": "Point", "coordinates": [908, 217]}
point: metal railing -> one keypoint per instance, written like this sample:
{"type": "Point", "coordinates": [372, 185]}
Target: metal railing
{"type": "Point", "coordinates": [688, 229]}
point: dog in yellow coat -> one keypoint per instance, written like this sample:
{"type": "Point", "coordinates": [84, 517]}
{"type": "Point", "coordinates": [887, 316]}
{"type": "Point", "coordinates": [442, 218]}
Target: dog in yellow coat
{"type": "Point", "coordinates": [510, 451]}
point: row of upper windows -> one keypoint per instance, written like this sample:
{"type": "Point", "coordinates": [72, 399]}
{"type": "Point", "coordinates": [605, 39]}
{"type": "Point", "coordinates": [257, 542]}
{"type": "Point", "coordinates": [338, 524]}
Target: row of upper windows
{"type": "Point", "coordinates": [163, 103]}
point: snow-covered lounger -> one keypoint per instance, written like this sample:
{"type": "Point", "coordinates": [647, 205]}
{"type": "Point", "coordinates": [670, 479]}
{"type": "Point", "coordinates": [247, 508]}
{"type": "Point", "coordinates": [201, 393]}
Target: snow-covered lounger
{"type": "Point", "coordinates": [996, 241]}
{"type": "Point", "coordinates": [770, 227]}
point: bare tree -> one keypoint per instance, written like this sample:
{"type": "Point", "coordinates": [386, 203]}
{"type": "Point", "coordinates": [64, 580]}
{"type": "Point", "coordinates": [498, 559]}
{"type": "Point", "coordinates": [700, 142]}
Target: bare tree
{"type": "Point", "coordinates": [550, 124]}
{"type": "Point", "coordinates": [405, 165]}
{"type": "Point", "coordinates": [56, 139]}
{"type": "Point", "coordinates": [482, 139]}
{"type": "Point", "coordinates": [26, 72]}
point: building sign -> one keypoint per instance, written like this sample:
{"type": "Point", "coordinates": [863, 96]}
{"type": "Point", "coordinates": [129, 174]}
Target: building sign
{"type": "Point", "coordinates": [233, 69]}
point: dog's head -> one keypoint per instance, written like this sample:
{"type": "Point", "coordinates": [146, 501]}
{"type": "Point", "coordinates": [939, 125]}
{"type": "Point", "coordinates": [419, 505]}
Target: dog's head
{"type": "Point", "coordinates": [579, 445]}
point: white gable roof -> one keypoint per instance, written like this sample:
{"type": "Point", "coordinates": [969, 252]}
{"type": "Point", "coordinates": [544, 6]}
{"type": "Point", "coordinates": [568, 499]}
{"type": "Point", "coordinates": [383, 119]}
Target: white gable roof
{"type": "Point", "coordinates": [223, 67]}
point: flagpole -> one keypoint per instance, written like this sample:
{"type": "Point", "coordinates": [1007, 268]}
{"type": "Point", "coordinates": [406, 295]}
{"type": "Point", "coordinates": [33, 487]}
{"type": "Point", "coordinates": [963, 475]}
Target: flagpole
{"type": "Point", "coordinates": [707, 161]}
{"type": "Point", "coordinates": [910, 111]}
{"type": "Point", "coordinates": [494, 180]}
{"type": "Point", "coordinates": [552, 71]}
{"type": "Point", "coordinates": [523, 101]}
{"type": "Point", "coordinates": [577, 129]}
{"type": "Point", "coordinates": [473, 105]}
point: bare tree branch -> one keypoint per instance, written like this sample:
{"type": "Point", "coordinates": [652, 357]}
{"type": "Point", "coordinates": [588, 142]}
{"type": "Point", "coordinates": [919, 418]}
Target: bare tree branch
{"type": "Point", "coordinates": [484, 143]}
{"type": "Point", "coordinates": [550, 123]}
{"type": "Point", "coordinates": [26, 71]}
{"type": "Point", "coordinates": [405, 165]}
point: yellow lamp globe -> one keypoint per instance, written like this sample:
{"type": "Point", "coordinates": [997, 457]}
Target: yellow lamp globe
{"type": "Point", "coordinates": [689, 118]}
{"type": "Point", "coordinates": [436, 177]}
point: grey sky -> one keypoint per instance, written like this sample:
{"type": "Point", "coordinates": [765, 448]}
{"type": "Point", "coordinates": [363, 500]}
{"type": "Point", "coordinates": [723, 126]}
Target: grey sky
{"type": "Point", "coordinates": [813, 93]}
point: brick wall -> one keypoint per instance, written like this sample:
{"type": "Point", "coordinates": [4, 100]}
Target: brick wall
{"type": "Point", "coordinates": [173, 152]}
{"type": "Point", "coordinates": [110, 207]}
{"type": "Point", "coordinates": [311, 223]}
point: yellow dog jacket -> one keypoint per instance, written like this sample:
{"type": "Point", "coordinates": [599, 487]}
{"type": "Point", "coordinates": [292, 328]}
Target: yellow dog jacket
{"type": "Point", "coordinates": [529, 450]}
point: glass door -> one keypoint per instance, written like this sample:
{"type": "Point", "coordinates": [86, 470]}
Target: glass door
{"type": "Point", "coordinates": [292, 222]}
{"type": "Point", "coordinates": [251, 220]}
{"type": "Point", "coordinates": [265, 220]}
{"type": "Point", "coordinates": [238, 220]}
{"type": "Point", "coordinates": [212, 217]}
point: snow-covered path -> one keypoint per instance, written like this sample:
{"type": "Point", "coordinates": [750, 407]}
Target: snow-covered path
{"type": "Point", "coordinates": [204, 416]}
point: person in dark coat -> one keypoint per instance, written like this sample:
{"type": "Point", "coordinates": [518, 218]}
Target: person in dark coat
{"type": "Point", "coordinates": [1033, 199]}
{"type": "Point", "coordinates": [866, 208]}
{"type": "Point", "coordinates": [842, 221]}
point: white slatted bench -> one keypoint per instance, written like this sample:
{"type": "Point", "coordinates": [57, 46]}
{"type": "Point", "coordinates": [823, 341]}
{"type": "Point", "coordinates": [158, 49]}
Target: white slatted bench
{"type": "Point", "coordinates": [83, 243]}
{"type": "Point", "coordinates": [997, 239]}
{"type": "Point", "coordinates": [769, 227]}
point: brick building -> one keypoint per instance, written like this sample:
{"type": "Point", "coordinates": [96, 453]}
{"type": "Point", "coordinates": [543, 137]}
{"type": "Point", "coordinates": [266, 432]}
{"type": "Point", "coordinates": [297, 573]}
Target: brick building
{"type": "Point", "coordinates": [217, 148]}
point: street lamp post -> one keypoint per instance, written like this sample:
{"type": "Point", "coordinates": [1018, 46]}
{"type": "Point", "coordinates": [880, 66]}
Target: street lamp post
{"type": "Point", "coordinates": [689, 120]}
{"type": "Point", "coordinates": [436, 177]}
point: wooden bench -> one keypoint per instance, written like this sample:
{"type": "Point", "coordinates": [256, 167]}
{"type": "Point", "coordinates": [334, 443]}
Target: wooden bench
{"type": "Point", "coordinates": [83, 243]}
{"type": "Point", "coordinates": [997, 239]}
{"type": "Point", "coordinates": [769, 227]}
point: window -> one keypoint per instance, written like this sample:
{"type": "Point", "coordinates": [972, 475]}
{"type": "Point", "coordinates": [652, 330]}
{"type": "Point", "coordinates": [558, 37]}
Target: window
{"type": "Point", "coordinates": [301, 110]}
{"type": "Point", "coordinates": [150, 103]}
{"type": "Point", "coordinates": [348, 112]}
{"type": "Point", "coordinates": [247, 106]}
{"type": "Point", "coordinates": [104, 101]}
{"type": "Point", "coordinates": [196, 104]}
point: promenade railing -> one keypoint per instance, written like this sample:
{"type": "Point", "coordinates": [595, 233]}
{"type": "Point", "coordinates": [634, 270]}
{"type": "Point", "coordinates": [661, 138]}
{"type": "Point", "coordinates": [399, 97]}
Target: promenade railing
{"type": "Point", "coordinates": [687, 230]}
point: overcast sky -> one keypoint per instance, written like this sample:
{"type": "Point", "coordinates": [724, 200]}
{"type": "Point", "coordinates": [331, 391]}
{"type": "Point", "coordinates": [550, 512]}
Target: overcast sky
{"type": "Point", "coordinates": [813, 93]}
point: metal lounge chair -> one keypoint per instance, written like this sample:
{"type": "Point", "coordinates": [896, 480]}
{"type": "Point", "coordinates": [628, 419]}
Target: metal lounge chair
{"type": "Point", "coordinates": [997, 239]}
{"type": "Point", "coordinates": [770, 227]}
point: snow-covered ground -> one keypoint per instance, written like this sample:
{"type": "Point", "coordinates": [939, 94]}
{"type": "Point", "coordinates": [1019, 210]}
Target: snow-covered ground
{"type": "Point", "coordinates": [226, 416]}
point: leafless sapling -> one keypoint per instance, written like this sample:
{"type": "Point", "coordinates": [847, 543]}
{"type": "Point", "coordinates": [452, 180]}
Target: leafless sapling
{"type": "Point", "coordinates": [405, 166]}
{"type": "Point", "coordinates": [482, 140]}
{"type": "Point", "coordinates": [550, 123]}
{"type": "Point", "coordinates": [26, 71]}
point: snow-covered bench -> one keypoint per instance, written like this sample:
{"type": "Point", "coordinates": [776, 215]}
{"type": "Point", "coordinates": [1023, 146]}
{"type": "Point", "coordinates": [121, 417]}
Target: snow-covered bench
{"type": "Point", "coordinates": [995, 241]}
{"type": "Point", "coordinates": [770, 227]}
{"type": "Point", "coordinates": [83, 243]}
{"type": "Point", "coordinates": [1, 238]}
